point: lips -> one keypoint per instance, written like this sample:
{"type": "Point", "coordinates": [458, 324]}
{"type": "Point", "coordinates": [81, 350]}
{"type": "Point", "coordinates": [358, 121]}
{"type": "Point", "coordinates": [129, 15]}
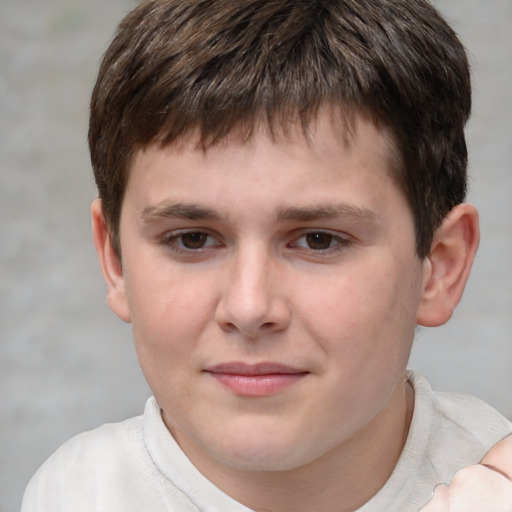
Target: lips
{"type": "Point", "coordinates": [255, 380]}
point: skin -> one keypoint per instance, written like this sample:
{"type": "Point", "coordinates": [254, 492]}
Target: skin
{"type": "Point", "coordinates": [484, 486]}
{"type": "Point", "coordinates": [281, 251]}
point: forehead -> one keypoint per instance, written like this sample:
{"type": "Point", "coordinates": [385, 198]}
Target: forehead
{"type": "Point", "coordinates": [297, 163]}
{"type": "Point", "coordinates": [331, 127]}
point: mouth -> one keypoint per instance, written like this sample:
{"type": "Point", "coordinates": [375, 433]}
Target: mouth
{"type": "Point", "coordinates": [255, 380]}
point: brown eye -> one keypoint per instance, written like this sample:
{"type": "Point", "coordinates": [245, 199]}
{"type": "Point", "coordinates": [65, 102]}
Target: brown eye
{"type": "Point", "coordinates": [194, 240]}
{"type": "Point", "coordinates": [190, 242]}
{"type": "Point", "coordinates": [319, 240]}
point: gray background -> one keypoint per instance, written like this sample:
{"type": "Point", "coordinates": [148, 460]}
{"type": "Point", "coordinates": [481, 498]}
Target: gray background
{"type": "Point", "coordinates": [66, 363]}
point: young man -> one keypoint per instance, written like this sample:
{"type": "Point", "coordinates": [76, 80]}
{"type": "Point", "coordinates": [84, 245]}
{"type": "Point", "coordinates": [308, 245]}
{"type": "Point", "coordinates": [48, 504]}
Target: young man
{"type": "Point", "coordinates": [281, 189]}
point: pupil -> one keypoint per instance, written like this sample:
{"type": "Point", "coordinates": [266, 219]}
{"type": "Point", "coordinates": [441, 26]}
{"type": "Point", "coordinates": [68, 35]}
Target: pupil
{"type": "Point", "coordinates": [319, 240]}
{"type": "Point", "coordinates": [194, 240]}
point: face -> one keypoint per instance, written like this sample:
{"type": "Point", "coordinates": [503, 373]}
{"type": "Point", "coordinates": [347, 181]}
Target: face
{"type": "Point", "coordinates": [273, 287]}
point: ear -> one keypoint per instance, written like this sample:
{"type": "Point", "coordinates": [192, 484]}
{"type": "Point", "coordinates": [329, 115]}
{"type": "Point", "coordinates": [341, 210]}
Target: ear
{"type": "Point", "coordinates": [448, 265]}
{"type": "Point", "coordinates": [110, 265]}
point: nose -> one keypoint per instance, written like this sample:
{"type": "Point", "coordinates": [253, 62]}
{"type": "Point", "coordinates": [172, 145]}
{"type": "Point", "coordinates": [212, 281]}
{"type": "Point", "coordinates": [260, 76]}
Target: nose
{"type": "Point", "coordinates": [253, 301]}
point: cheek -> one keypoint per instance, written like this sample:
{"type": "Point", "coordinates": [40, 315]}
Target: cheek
{"type": "Point", "coordinates": [364, 318]}
{"type": "Point", "coordinates": [166, 328]}
{"type": "Point", "coordinates": [348, 307]}
{"type": "Point", "coordinates": [168, 314]}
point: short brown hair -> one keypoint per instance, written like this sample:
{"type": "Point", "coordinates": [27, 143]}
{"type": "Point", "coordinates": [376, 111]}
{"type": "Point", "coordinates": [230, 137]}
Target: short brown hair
{"type": "Point", "coordinates": [176, 66]}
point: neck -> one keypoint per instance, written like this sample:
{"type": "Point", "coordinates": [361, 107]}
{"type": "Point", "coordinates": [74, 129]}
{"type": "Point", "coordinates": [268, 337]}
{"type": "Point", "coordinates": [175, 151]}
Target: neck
{"type": "Point", "coordinates": [361, 466]}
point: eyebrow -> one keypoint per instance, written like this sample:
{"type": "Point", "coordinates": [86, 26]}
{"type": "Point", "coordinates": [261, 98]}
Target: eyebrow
{"type": "Point", "coordinates": [192, 211]}
{"type": "Point", "coordinates": [325, 212]}
{"type": "Point", "coordinates": [178, 211]}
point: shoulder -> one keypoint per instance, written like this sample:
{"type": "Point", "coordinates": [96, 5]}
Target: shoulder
{"type": "Point", "coordinates": [471, 417]}
{"type": "Point", "coordinates": [113, 468]}
{"type": "Point", "coordinates": [86, 466]}
{"type": "Point", "coordinates": [104, 444]}
{"type": "Point", "coordinates": [462, 428]}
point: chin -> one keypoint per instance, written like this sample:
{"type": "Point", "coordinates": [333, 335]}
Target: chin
{"type": "Point", "coordinates": [264, 452]}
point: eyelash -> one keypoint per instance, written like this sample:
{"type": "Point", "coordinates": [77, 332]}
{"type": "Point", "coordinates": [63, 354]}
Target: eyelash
{"type": "Point", "coordinates": [336, 242]}
{"type": "Point", "coordinates": [174, 241]}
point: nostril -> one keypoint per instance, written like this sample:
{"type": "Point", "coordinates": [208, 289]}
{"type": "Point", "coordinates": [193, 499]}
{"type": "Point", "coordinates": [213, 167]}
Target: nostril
{"type": "Point", "coordinates": [228, 326]}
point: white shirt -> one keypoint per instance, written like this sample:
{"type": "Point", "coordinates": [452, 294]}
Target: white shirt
{"type": "Point", "coordinates": [137, 466]}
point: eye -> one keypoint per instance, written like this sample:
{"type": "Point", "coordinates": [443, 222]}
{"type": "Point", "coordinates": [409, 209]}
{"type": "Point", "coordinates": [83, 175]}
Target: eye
{"type": "Point", "coordinates": [319, 241]}
{"type": "Point", "coordinates": [195, 240]}
{"type": "Point", "coordinates": [190, 241]}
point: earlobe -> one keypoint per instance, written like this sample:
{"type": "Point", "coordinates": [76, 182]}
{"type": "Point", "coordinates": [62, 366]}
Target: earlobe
{"type": "Point", "coordinates": [448, 265]}
{"type": "Point", "coordinates": [109, 263]}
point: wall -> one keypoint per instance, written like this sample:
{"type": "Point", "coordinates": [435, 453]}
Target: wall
{"type": "Point", "coordinates": [66, 363]}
